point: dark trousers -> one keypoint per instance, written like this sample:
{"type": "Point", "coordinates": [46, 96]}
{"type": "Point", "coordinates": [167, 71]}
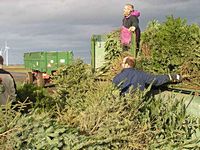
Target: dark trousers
{"type": "Point", "coordinates": [138, 34]}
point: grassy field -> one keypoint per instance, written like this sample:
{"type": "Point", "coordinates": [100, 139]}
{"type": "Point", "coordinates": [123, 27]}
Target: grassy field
{"type": "Point", "coordinates": [16, 68]}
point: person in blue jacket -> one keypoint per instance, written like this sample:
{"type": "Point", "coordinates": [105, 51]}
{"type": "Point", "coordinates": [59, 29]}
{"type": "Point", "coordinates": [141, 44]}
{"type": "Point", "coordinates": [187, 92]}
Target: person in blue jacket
{"type": "Point", "coordinates": [131, 77]}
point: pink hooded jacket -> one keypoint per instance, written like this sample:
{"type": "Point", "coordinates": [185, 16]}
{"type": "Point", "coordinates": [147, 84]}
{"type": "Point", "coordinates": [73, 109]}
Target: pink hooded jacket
{"type": "Point", "coordinates": [135, 13]}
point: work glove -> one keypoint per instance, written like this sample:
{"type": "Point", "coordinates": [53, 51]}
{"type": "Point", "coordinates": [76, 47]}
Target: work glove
{"type": "Point", "coordinates": [175, 77]}
{"type": "Point", "coordinates": [132, 29]}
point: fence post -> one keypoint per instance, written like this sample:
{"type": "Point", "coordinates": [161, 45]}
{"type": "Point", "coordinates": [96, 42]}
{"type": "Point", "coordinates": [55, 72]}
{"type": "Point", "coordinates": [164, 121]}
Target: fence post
{"type": "Point", "coordinates": [93, 53]}
{"type": "Point", "coordinates": [133, 45]}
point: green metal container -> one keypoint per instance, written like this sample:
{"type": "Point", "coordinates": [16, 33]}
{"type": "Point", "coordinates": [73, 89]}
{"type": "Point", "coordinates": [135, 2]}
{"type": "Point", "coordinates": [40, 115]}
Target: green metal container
{"type": "Point", "coordinates": [47, 61]}
{"type": "Point", "coordinates": [190, 97]}
{"type": "Point", "coordinates": [98, 50]}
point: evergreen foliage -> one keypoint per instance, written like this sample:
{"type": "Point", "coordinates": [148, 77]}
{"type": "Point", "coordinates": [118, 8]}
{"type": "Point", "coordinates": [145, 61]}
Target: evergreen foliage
{"type": "Point", "coordinates": [104, 120]}
{"type": "Point", "coordinates": [85, 113]}
{"type": "Point", "coordinates": [174, 48]}
{"type": "Point", "coordinates": [169, 47]}
{"type": "Point", "coordinates": [37, 97]}
{"type": "Point", "coordinates": [72, 79]}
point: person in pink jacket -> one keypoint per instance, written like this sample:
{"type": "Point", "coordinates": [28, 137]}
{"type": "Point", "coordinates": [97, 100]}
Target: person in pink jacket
{"type": "Point", "coordinates": [8, 86]}
{"type": "Point", "coordinates": [130, 24]}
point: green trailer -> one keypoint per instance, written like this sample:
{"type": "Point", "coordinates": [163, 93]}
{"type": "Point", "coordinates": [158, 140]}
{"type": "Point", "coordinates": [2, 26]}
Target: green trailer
{"type": "Point", "coordinates": [98, 50]}
{"type": "Point", "coordinates": [45, 64]}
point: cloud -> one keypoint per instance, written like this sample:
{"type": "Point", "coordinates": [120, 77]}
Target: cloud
{"type": "Point", "coordinates": [36, 25]}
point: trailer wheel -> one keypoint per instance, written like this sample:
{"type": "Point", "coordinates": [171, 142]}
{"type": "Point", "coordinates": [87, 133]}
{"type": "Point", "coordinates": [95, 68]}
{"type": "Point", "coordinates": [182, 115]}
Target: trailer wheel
{"type": "Point", "coordinates": [29, 78]}
{"type": "Point", "coordinates": [40, 80]}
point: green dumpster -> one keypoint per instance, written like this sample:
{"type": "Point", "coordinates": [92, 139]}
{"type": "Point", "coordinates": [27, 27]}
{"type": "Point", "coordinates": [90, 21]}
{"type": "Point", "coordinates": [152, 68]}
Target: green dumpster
{"type": "Point", "coordinates": [190, 97]}
{"type": "Point", "coordinates": [98, 50]}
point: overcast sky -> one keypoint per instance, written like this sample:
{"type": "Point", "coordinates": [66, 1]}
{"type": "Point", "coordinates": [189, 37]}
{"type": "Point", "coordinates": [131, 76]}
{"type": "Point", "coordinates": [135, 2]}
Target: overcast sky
{"type": "Point", "coordinates": [41, 25]}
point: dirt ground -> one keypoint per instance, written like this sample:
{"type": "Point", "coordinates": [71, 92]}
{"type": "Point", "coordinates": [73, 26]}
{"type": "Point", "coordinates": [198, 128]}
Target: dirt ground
{"type": "Point", "coordinates": [18, 72]}
{"type": "Point", "coordinates": [19, 77]}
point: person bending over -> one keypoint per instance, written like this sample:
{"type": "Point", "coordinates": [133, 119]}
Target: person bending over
{"type": "Point", "coordinates": [137, 79]}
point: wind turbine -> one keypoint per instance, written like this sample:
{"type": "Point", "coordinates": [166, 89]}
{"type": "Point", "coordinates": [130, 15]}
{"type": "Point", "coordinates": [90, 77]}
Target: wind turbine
{"type": "Point", "coordinates": [4, 52]}
{"type": "Point", "coordinates": [1, 52]}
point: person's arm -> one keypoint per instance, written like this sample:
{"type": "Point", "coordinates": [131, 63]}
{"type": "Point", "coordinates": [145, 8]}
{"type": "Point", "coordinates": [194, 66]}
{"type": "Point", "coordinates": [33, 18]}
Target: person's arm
{"type": "Point", "coordinates": [12, 91]}
{"type": "Point", "coordinates": [116, 80]}
{"type": "Point", "coordinates": [158, 80]}
{"type": "Point", "coordinates": [134, 23]}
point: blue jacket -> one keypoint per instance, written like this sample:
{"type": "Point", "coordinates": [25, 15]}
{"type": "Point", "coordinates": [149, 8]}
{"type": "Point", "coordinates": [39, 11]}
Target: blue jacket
{"type": "Point", "coordinates": [138, 79]}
